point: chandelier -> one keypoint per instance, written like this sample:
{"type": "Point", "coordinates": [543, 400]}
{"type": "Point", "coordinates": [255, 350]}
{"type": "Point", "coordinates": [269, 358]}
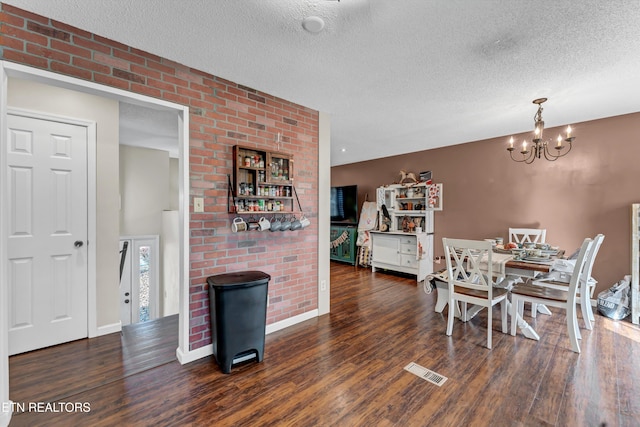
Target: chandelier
{"type": "Point", "coordinates": [540, 147]}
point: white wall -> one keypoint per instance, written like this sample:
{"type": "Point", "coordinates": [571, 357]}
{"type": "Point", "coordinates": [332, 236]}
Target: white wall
{"type": "Point", "coordinates": [174, 195]}
{"type": "Point", "coordinates": [63, 102]}
{"type": "Point", "coordinates": [144, 190]}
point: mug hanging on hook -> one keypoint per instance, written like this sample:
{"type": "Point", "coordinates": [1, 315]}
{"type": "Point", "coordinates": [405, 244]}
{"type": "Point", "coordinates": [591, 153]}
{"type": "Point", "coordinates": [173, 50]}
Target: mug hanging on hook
{"type": "Point", "coordinates": [252, 224]}
{"type": "Point", "coordinates": [304, 221]}
{"type": "Point", "coordinates": [295, 224]}
{"type": "Point", "coordinates": [285, 225]}
{"type": "Point", "coordinates": [275, 224]}
{"type": "Point", "coordinates": [238, 224]}
{"type": "Point", "coordinates": [264, 224]}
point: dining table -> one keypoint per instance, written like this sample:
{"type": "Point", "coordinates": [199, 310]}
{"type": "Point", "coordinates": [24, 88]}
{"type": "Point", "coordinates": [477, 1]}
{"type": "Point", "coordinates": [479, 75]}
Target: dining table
{"type": "Point", "coordinates": [508, 272]}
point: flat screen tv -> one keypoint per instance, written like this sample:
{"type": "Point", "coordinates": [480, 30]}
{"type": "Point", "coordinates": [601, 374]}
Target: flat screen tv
{"type": "Point", "coordinates": [344, 204]}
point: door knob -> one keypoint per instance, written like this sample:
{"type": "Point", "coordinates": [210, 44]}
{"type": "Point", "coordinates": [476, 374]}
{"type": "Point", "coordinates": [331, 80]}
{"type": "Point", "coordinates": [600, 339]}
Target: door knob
{"type": "Point", "coordinates": [126, 301]}
{"type": "Point", "coordinates": [78, 243]}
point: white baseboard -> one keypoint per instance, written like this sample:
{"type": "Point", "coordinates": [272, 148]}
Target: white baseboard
{"type": "Point", "coordinates": [291, 321]}
{"type": "Point", "coordinates": [193, 355]}
{"type": "Point", "coordinates": [108, 329]}
{"type": "Point", "coordinates": [207, 350]}
{"type": "Point", "coordinates": [5, 416]}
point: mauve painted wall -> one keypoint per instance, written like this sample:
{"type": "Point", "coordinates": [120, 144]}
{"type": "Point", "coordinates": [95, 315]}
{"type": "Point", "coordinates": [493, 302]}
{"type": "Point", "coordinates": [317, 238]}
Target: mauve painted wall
{"type": "Point", "coordinates": [589, 191]}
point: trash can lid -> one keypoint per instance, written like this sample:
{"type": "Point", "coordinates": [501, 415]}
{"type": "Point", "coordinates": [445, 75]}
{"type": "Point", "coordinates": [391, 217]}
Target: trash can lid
{"type": "Point", "coordinates": [241, 278]}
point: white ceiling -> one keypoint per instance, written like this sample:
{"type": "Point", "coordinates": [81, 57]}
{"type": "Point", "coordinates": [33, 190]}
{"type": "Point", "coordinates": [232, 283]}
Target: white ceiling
{"type": "Point", "coordinates": [396, 76]}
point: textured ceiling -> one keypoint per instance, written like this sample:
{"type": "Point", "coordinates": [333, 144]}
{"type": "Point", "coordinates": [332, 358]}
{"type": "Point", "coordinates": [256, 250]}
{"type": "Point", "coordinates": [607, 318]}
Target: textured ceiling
{"type": "Point", "coordinates": [396, 76]}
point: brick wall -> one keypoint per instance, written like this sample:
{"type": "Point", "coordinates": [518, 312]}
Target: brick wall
{"type": "Point", "coordinates": [222, 114]}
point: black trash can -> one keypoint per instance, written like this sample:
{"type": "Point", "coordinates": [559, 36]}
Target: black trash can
{"type": "Point", "coordinates": [238, 308]}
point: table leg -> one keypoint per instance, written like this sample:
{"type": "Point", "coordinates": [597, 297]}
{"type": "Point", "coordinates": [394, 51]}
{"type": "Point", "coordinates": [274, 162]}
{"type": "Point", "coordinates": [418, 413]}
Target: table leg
{"type": "Point", "coordinates": [442, 298]}
{"type": "Point", "coordinates": [441, 301]}
{"type": "Point", "coordinates": [526, 329]}
{"type": "Point", "coordinates": [472, 311]}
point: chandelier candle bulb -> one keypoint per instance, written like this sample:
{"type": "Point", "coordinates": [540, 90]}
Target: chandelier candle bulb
{"type": "Point", "coordinates": [559, 142]}
{"type": "Point", "coordinates": [511, 143]}
{"type": "Point", "coordinates": [569, 131]}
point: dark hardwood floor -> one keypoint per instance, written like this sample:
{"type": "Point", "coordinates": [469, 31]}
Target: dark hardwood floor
{"type": "Point", "coordinates": [64, 371]}
{"type": "Point", "coordinates": [346, 369]}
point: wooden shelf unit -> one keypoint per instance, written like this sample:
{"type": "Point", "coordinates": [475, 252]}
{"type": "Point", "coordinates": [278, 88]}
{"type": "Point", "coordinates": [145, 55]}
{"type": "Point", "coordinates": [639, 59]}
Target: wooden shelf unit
{"type": "Point", "coordinates": [262, 182]}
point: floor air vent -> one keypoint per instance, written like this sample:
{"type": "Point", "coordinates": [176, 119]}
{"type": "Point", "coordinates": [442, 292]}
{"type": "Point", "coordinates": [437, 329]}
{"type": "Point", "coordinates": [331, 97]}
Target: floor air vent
{"type": "Point", "coordinates": [425, 374]}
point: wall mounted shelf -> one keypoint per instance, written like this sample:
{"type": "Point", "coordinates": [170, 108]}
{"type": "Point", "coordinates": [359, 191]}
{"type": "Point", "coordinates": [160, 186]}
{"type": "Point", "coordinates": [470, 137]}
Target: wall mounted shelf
{"type": "Point", "coordinates": [262, 182]}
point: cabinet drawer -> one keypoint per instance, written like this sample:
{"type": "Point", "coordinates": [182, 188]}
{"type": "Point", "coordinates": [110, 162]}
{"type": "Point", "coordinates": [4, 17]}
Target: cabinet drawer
{"type": "Point", "coordinates": [408, 240]}
{"type": "Point", "coordinates": [385, 241]}
{"type": "Point", "coordinates": [408, 248]}
{"type": "Point", "coordinates": [409, 261]}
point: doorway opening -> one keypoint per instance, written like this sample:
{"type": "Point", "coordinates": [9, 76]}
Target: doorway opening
{"type": "Point", "coordinates": [149, 200]}
{"type": "Point", "coordinates": [9, 71]}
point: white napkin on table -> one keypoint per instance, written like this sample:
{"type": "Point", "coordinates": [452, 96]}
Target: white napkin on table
{"type": "Point", "coordinates": [498, 262]}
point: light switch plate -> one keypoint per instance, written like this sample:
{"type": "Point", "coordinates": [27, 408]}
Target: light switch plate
{"type": "Point", "coordinates": [198, 204]}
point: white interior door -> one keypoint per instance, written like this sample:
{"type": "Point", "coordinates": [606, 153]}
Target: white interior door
{"type": "Point", "coordinates": [47, 232]}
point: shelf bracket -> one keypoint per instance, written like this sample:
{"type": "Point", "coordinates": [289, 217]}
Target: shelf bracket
{"type": "Point", "coordinates": [231, 195]}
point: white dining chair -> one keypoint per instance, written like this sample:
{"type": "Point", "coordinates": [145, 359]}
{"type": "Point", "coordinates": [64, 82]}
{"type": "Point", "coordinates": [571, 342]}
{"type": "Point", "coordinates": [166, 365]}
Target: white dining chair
{"type": "Point", "coordinates": [527, 235]}
{"type": "Point", "coordinates": [585, 288]}
{"type": "Point", "coordinates": [526, 292]}
{"type": "Point", "coordinates": [470, 280]}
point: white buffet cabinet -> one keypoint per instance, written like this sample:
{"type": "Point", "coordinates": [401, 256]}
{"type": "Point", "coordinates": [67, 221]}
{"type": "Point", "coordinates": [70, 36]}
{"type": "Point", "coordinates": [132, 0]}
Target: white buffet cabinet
{"type": "Point", "coordinates": [410, 253]}
{"type": "Point", "coordinates": [397, 246]}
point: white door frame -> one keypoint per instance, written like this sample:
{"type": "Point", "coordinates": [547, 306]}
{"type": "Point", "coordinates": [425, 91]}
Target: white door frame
{"type": "Point", "coordinates": [9, 69]}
